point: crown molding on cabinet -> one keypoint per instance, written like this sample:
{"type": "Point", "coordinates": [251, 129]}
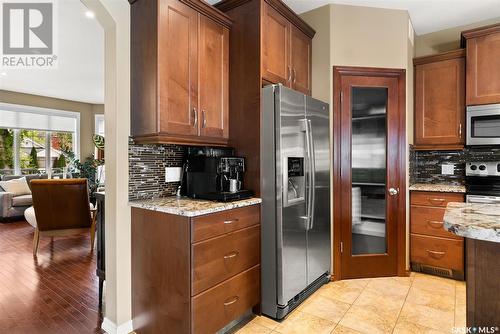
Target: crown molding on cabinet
{"type": "Point", "coordinates": [206, 9]}
{"type": "Point", "coordinates": [439, 57]}
{"type": "Point", "coordinates": [279, 6]}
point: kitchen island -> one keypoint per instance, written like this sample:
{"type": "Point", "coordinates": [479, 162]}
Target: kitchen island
{"type": "Point", "coordinates": [480, 225]}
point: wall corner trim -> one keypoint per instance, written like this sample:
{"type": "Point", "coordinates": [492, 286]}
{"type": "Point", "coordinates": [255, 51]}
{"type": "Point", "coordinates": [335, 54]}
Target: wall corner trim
{"type": "Point", "coordinates": [111, 328]}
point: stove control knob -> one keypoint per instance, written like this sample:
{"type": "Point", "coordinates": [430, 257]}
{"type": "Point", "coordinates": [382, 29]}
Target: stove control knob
{"type": "Point", "coordinates": [473, 167]}
{"type": "Point", "coordinates": [498, 168]}
{"type": "Point", "coordinates": [482, 167]}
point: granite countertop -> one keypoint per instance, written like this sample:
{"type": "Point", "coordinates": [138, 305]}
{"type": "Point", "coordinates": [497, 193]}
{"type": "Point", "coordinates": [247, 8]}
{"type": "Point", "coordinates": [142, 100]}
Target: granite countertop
{"type": "Point", "coordinates": [188, 207]}
{"type": "Point", "coordinates": [439, 187]}
{"type": "Point", "coordinates": [473, 220]}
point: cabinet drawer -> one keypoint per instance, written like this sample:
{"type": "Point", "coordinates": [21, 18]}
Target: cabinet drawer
{"type": "Point", "coordinates": [434, 198]}
{"type": "Point", "coordinates": [439, 252]}
{"type": "Point", "coordinates": [215, 308]}
{"type": "Point", "coordinates": [219, 223]}
{"type": "Point", "coordinates": [217, 259]}
{"type": "Point", "coordinates": [429, 221]}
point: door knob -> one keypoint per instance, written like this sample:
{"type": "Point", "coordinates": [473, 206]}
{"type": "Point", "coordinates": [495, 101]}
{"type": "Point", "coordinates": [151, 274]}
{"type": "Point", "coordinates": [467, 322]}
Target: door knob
{"type": "Point", "coordinates": [393, 191]}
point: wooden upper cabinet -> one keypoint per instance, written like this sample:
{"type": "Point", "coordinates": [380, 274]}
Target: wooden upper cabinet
{"type": "Point", "coordinates": [179, 72]}
{"type": "Point", "coordinates": [275, 46]}
{"type": "Point", "coordinates": [440, 101]}
{"type": "Point", "coordinates": [286, 49]}
{"type": "Point", "coordinates": [300, 60]}
{"type": "Point", "coordinates": [214, 79]}
{"type": "Point", "coordinates": [483, 65]}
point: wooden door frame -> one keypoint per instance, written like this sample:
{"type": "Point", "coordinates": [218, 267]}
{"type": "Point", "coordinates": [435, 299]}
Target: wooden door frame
{"type": "Point", "coordinates": [400, 75]}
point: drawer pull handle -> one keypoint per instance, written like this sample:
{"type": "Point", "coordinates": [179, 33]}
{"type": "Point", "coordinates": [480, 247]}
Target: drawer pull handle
{"type": "Point", "coordinates": [435, 224]}
{"type": "Point", "coordinates": [231, 255]}
{"type": "Point", "coordinates": [438, 200]}
{"type": "Point", "coordinates": [231, 221]}
{"type": "Point", "coordinates": [231, 301]}
{"type": "Point", "coordinates": [436, 254]}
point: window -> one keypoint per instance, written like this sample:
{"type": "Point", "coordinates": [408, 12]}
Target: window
{"type": "Point", "coordinates": [32, 140]}
{"type": "Point", "coordinates": [99, 124]}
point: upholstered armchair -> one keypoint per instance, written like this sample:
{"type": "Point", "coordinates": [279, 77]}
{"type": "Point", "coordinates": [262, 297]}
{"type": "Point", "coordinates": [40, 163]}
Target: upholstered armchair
{"type": "Point", "coordinates": [60, 208]}
{"type": "Point", "coordinates": [11, 205]}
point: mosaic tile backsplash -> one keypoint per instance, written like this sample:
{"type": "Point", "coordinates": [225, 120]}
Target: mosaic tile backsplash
{"type": "Point", "coordinates": [425, 166]}
{"type": "Point", "coordinates": [147, 170]}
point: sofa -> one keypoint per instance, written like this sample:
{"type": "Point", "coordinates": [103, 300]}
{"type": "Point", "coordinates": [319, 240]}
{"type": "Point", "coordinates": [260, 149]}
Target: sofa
{"type": "Point", "coordinates": [14, 206]}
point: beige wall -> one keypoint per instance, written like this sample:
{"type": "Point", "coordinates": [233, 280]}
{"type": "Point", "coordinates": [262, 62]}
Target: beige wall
{"type": "Point", "coordinates": [364, 37]}
{"type": "Point", "coordinates": [86, 111]}
{"type": "Point", "coordinates": [445, 40]}
{"type": "Point", "coordinates": [373, 37]}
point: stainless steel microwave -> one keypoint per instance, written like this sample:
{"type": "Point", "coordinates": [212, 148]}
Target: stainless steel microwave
{"type": "Point", "coordinates": [483, 125]}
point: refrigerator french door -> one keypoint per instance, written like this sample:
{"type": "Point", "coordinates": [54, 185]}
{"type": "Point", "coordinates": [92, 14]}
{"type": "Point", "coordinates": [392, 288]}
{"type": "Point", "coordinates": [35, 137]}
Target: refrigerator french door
{"type": "Point", "coordinates": [295, 186]}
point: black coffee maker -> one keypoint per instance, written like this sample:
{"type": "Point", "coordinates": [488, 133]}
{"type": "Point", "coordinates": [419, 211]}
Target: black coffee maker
{"type": "Point", "coordinates": [214, 174]}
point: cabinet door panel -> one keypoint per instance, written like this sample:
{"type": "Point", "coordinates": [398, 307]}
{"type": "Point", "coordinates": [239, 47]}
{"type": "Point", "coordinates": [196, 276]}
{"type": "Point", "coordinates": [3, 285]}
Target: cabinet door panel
{"type": "Point", "coordinates": [300, 59]}
{"type": "Point", "coordinates": [275, 46]}
{"type": "Point", "coordinates": [483, 69]}
{"type": "Point", "coordinates": [214, 77]}
{"type": "Point", "coordinates": [177, 71]}
{"type": "Point", "coordinates": [439, 103]}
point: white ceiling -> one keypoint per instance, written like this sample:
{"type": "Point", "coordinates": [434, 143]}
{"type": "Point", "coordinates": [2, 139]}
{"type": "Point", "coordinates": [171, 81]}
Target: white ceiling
{"type": "Point", "coordinates": [80, 51]}
{"type": "Point", "coordinates": [426, 15]}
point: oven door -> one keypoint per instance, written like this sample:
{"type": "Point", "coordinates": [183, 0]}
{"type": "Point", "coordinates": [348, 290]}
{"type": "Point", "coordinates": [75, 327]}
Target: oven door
{"type": "Point", "coordinates": [483, 125]}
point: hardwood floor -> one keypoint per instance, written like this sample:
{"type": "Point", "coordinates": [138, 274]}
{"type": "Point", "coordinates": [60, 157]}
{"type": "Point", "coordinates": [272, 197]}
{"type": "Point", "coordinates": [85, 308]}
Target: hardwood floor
{"type": "Point", "coordinates": [55, 293]}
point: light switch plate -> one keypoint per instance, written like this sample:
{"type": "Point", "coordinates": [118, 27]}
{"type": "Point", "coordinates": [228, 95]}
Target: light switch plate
{"type": "Point", "coordinates": [173, 174]}
{"type": "Point", "coordinates": [448, 169]}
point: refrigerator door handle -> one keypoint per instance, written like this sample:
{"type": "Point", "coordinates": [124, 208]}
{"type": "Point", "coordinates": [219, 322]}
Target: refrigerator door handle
{"type": "Point", "coordinates": [312, 169]}
{"type": "Point", "coordinates": [310, 172]}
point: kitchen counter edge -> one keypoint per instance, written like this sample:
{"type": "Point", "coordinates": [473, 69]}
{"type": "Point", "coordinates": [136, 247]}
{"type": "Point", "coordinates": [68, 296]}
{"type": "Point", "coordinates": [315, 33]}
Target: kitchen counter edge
{"type": "Point", "coordinates": [188, 207]}
{"type": "Point", "coordinates": [473, 221]}
{"type": "Point", "coordinates": [438, 187]}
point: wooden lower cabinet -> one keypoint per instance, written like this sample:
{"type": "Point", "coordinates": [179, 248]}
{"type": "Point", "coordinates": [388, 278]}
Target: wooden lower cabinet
{"type": "Point", "coordinates": [432, 248]}
{"type": "Point", "coordinates": [438, 252]}
{"type": "Point", "coordinates": [218, 259]}
{"type": "Point", "coordinates": [215, 308]}
{"type": "Point", "coordinates": [194, 275]}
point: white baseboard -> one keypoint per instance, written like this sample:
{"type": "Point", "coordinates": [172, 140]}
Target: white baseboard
{"type": "Point", "coordinates": [110, 327]}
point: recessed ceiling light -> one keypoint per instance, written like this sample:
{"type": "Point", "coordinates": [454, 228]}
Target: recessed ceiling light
{"type": "Point", "coordinates": [3, 73]}
{"type": "Point", "coordinates": [89, 14]}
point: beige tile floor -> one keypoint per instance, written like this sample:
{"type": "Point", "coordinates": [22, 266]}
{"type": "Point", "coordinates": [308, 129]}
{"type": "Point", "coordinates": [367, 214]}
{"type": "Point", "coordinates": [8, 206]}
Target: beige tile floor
{"type": "Point", "coordinates": [415, 305]}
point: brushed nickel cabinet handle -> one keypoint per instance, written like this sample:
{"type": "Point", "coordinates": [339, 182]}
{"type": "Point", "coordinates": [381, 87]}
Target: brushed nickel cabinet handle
{"type": "Point", "coordinates": [204, 115]}
{"type": "Point", "coordinates": [460, 131]}
{"type": "Point", "coordinates": [231, 221]}
{"type": "Point", "coordinates": [435, 224]}
{"type": "Point", "coordinates": [435, 254]}
{"type": "Point", "coordinates": [231, 301]}
{"type": "Point", "coordinates": [289, 74]}
{"type": "Point", "coordinates": [294, 75]}
{"type": "Point", "coordinates": [438, 200]}
{"type": "Point", "coordinates": [195, 117]}
{"type": "Point", "coordinates": [231, 255]}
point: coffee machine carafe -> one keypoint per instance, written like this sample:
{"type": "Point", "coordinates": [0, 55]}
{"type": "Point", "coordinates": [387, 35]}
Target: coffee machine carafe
{"type": "Point", "coordinates": [231, 171]}
{"type": "Point", "coordinates": [214, 174]}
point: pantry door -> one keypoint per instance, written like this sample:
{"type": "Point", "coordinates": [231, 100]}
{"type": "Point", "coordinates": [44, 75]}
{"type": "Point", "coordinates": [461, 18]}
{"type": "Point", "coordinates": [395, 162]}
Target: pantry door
{"type": "Point", "coordinates": [369, 125]}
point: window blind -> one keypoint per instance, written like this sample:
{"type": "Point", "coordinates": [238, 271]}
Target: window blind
{"type": "Point", "coordinates": [31, 118]}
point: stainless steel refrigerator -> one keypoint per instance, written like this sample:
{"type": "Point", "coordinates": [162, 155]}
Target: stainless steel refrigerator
{"type": "Point", "coordinates": [295, 188]}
